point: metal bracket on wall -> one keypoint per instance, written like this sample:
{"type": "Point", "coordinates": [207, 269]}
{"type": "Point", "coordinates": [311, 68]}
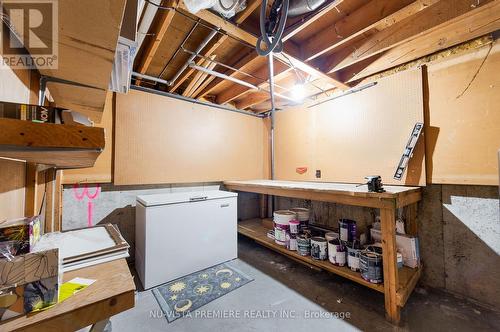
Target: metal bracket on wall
{"type": "Point", "coordinates": [408, 151]}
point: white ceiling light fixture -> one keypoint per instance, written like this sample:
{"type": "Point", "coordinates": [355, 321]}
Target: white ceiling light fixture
{"type": "Point", "coordinates": [298, 92]}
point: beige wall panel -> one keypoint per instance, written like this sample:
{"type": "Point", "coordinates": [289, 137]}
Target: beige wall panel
{"type": "Point", "coordinates": [295, 144]}
{"type": "Point", "coordinates": [464, 133]}
{"type": "Point", "coordinates": [101, 172]}
{"type": "Point", "coordinates": [356, 135]}
{"type": "Point", "coordinates": [165, 140]}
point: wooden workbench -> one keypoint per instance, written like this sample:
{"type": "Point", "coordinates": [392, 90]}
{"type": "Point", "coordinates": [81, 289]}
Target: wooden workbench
{"type": "Point", "coordinates": [398, 283]}
{"type": "Point", "coordinates": [111, 293]}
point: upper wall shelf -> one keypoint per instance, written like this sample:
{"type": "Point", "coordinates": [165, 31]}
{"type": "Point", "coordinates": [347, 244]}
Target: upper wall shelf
{"type": "Point", "coordinates": [61, 146]}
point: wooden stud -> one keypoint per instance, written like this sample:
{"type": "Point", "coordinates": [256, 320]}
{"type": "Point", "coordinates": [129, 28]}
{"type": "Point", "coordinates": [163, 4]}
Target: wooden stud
{"type": "Point", "coordinates": [263, 206]}
{"type": "Point", "coordinates": [391, 280]}
{"type": "Point", "coordinates": [31, 199]}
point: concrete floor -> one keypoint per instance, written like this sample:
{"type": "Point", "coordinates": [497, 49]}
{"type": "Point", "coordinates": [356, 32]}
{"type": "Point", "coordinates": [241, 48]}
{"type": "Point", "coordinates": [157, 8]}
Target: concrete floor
{"type": "Point", "coordinates": [283, 287]}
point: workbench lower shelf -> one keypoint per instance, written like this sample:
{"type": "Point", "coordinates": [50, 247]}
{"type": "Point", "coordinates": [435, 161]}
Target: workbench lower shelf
{"type": "Point", "coordinates": [255, 230]}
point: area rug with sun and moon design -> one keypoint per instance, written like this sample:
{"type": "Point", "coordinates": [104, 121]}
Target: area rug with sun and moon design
{"type": "Point", "coordinates": [179, 297]}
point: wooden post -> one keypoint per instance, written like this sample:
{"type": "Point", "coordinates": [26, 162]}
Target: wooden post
{"type": "Point", "coordinates": [391, 280]}
{"type": "Point", "coordinates": [263, 206]}
{"type": "Point", "coordinates": [411, 219]}
{"type": "Point", "coordinates": [53, 196]}
{"type": "Point", "coordinates": [31, 199]}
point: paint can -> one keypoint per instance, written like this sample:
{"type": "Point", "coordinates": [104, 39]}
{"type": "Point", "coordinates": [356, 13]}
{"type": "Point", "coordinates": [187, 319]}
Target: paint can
{"type": "Point", "coordinates": [303, 245]}
{"type": "Point", "coordinates": [353, 250]}
{"type": "Point", "coordinates": [331, 236]}
{"type": "Point", "coordinates": [370, 265]}
{"type": "Point", "coordinates": [302, 216]}
{"type": "Point", "coordinates": [336, 252]}
{"type": "Point", "coordinates": [294, 226]}
{"type": "Point", "coordinates": [292, 242]}
{"type": "Point", "coordinates": [319, 248]}
{"type": "Point", "coordinates": [281, 227]}
{"type": "Point", "coordinates": [347, 230]}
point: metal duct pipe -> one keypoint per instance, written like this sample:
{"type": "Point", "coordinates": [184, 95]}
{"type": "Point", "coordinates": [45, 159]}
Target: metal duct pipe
{"type": "Point", "coordinates": [300, 7]}
{"type": "Point", "coordinates": [150, 78]}
{"type": "Point", "coordinates": [237, 81]}
{"type": "Point", "coordinates": [194, 101]}
{"type": "Point", "coordinates": [191, 58]}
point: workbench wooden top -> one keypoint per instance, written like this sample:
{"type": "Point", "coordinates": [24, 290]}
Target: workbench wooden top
{"type": "Point", "coordinates": [346, 193]}
{"type": "Point", "coordinates": [111, 293]}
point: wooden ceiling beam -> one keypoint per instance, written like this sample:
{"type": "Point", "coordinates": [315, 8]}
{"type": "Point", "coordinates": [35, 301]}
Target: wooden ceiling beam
{"type": "Point", "coordinates": [164, 18]}
{"type": "Point", "coordinates": [307, 21]}
{"type": "Point", "coordinates": [237, 90]}
{"type": "Point", "coordinates": [252, 5]}
{"type": "Point", "coordinates": [240, 18]}
{"type": "Point", "coordinates": [474, 24]}
{"type": "Point", "coordinates": [407, 30]}
{"type": "Point", "coordinates": [290, 53]}
{"type": "Point", "coordinates": [254, 98]}
{"type": "Point", "coordinates": [376, 14]}
{"type": "Point", "coordinates": [242, 64]}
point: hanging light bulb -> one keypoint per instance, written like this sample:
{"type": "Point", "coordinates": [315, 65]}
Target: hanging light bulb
{"type": "Point", "coordinates": [298, 92]}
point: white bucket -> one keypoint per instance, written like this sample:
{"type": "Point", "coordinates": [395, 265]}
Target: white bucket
{"type": "Point", "coordinates": [331, 236]}
{"type": "Point", "coordinates": [281, 225]}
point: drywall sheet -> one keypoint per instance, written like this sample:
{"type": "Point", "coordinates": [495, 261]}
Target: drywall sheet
{"type": "Point", "coordinates": [164, 140]}
{"type": "Point", "coordinates": [101, 172]}
{"type": "Point", "coordinates": [463, 136]}
{"type": "Point", "coordinates": [360, 134]}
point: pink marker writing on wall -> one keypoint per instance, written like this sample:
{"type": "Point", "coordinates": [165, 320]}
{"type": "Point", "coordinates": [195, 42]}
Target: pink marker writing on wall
{"type": "Point", "coordinates": [91, 197]}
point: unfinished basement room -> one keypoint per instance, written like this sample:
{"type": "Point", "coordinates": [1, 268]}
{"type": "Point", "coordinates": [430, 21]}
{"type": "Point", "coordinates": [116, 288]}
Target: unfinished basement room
{"type": "Point", "coordinates": [249, 165]}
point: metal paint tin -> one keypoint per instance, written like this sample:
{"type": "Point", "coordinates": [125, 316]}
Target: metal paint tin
{"type": "Point", "coordinates": [331, 236]}
{"type": "Point", "coordinates": [281, 227]}
{"type": "Point", "coordinates": [294, 226]}
{"type": "Point", "coordinates": [371, 267]}
{"type": "Point", "coordinates": [336, 252]}
{"type": "Point", "coordinates": [347, 230]}
{"type": "Point", "coordinates": [353, 250]}
{"type": "Point", "coordinates": [303, 245]}
{"type": "Point", "coordinates": [319, 248]}
{"type": "Point", "coordinates": [302, 216]}
{"type": "Point", "coordinates": [292, 243]}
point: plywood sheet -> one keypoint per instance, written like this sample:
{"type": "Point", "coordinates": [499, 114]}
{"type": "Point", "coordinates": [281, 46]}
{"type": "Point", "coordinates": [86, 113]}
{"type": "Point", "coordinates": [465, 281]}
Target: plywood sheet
{"type": "Point", "coordinates": [88, 101]}
{"type": "Point", "coordinates": [464, 119]}
{"type": "Point", "coordinates": [102, 171]}
{"type": "Point", "coordinates": [12, 182]}
{"type": "Point", "coordinates": [165, 140]}
{"type": "Point", "coordinates": [356, 135]}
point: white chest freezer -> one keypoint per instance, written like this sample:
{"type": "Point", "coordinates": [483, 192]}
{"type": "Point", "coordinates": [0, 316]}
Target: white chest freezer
{"type": "Point", "coordinates": [180, 233]}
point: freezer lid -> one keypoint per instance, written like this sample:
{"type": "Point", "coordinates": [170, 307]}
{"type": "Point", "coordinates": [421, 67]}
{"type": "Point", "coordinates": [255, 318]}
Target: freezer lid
{"type": "Point", "coordinates": [183, 197]}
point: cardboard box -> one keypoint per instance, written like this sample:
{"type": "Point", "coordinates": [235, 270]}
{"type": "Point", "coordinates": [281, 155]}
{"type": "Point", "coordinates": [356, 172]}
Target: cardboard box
{"type": "Point", "coordinates": [407, 245]}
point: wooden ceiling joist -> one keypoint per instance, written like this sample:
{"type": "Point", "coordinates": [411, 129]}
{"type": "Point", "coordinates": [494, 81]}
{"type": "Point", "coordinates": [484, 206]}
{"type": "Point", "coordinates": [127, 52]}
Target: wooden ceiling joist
{"type": "Point", "coordinates": [290, 53]}
{"type": "Point", "coordinates": [240, 18]}
{"type": "Point", "coordinates": [292, 31]}
{"type": "Point", "coordinates": [406, 30]}
{"type": "Point", "coordinates": [373, 15]}
{"type": "Point", "coordinates": [476, 23]}
{"type": "Point", "coordinates": [238, 90]}
{"type": "Point", "coordinates": [163, 22]}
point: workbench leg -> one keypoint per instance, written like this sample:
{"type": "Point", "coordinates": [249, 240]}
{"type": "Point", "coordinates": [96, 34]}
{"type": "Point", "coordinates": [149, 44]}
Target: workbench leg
{"type": "Point", "coordinates": [411, 219]}
{"type": "Point", "coordinates": [263, 206]}
{"type": "Point", "coordinates": [101, 325]}
{"type": "Point", "coordinates": [391, 280]}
